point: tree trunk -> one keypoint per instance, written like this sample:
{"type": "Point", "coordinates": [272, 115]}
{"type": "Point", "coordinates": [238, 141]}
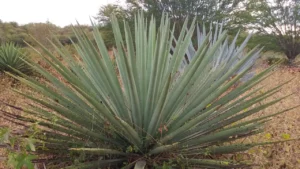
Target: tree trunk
{"type": "Point", "coordinates": [291, 62]}
{"type": "Point", "coordinates": [291, 57]}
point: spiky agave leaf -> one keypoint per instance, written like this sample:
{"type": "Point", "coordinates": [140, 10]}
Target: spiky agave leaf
{"type": "Point", "coordinates": [145, 110]}
{"type": "Point", "coordinates": [11, 58]}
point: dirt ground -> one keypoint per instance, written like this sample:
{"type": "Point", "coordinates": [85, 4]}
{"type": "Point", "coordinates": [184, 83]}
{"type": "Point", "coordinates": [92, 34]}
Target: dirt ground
{"type": "Point", "coordinates": [8, 96]}
{"type": "Point", "coordinates": [285, 126]}
{"type": "Point", "coordinates": [279, 156]}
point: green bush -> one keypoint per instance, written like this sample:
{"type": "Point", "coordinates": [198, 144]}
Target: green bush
{"type": "Point", "coordinates": [108, 38]}
{"type": "Point", "coordinates": [272, 60]}
{"type": "Point", "coordinates": [149, 113]}
{"type": "Point", "coordinates": [12, 59]}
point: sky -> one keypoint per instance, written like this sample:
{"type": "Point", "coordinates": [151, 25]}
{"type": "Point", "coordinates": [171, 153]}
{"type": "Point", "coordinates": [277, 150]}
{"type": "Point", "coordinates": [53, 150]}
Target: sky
{"type": "Point", "coordinates": [58, 12]}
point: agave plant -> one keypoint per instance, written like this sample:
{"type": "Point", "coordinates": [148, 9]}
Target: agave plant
{"type": "Point", "coordinates": [224, 51]}
{"type": "Point", "coordinates": [12, 58]}
{"type": "Point", "coordinates": [145, 112]}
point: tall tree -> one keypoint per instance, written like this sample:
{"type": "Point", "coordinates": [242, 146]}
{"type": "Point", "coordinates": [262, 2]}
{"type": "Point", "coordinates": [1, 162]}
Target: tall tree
{"type": "Point", "coordinates": [206, 11]}
{"type": "Point", "coordinates": [103, 18]}
{"type": "Point", "coordinates": [280, 18]}
{"type": "Point", "coordinates": [106, 11]}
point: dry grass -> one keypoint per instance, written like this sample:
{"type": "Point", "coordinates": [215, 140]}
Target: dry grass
{"type": "Point", "coordinates": [279, 156]}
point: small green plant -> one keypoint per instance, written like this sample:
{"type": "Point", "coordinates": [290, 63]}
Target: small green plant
{"type": "Point", "coordinates": [19, 150]}
{"type": "Point", "coordinates": [12, 59]}
{"type": "Point", "coordinates": [154, 111]}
